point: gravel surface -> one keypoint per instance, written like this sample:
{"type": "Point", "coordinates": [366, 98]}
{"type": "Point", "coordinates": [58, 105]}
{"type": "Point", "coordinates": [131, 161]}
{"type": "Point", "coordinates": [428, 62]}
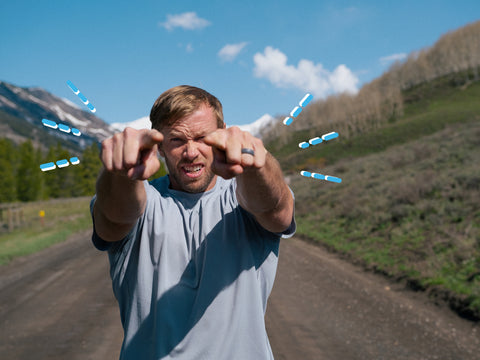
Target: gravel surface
{"type": "Point", "coordinates": [58, 304]}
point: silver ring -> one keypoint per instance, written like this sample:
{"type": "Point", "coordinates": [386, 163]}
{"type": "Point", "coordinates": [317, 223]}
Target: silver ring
{"type": "Point", "coordinates": [248, 151]}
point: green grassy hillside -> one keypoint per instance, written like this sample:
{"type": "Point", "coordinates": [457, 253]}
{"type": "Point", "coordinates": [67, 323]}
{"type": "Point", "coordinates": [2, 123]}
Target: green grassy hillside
{"type": "Point", "coordinates": [409, 203]}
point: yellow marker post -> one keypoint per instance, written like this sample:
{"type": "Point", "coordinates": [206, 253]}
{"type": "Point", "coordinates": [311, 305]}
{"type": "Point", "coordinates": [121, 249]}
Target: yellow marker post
{"type": "Point", "coordinates": [41, 213]}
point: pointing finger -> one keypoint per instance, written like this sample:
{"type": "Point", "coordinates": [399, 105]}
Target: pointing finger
{"type": "Point", "coordinates": [149, 138]}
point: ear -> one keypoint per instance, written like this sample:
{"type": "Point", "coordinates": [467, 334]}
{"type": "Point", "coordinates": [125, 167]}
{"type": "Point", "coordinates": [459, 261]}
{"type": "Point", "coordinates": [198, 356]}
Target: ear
{"type": "Point", "coordinates": [224, 125]}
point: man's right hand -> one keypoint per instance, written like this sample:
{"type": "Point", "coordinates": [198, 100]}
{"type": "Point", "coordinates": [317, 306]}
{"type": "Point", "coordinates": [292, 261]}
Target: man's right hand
{"type": "Point", "coordinates": [132, 153]}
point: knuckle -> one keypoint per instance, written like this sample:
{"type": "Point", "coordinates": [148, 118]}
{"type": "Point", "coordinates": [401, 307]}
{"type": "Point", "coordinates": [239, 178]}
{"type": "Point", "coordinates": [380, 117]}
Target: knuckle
{"type": "Point", "coordinates": [258, 142]}
{"type": "Point", "coordinates": [235, 130]}
{"type": "Point", "coordinates": [106, 144]}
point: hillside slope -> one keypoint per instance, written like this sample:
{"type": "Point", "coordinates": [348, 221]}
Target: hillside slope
{"type": "Point", "coordinates": [408, 205]}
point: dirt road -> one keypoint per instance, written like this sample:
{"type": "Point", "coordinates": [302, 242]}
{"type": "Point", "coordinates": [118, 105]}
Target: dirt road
{"type": "Point", "coordinates": [58, 304]}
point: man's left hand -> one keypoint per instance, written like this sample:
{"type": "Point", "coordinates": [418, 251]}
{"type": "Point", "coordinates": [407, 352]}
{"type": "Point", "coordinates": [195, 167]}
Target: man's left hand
{"type": "Point", "coordinates": [229, 160]}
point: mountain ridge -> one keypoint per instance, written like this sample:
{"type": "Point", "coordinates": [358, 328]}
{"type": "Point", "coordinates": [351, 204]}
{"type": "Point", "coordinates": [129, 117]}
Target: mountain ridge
{"type": "Point", "coordinates": [23, 108]}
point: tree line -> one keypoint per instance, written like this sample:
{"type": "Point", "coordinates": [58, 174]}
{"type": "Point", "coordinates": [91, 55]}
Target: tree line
{"type": "Point", "coordinates": [381, 101]}
{"type": "Point", "coordinates": [22, 179]}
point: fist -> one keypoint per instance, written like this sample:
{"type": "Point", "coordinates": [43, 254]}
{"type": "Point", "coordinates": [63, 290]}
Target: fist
{"type": "Point", "coordinates": [132, 153]}
{"type": "Point", "coordinates": [235, 151]}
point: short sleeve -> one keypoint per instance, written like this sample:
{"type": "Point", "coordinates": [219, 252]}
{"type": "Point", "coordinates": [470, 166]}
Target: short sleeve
{"type": "Point", "coordinates": [98, 242]}
{"type": "Point", "coordinates": [293, 225]}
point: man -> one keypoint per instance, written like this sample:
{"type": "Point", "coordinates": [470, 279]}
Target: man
{"type": "Point", "coordinates": [193, 255]}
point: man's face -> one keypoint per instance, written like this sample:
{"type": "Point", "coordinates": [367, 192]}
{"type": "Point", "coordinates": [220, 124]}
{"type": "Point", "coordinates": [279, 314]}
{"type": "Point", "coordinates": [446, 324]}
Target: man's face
{"type": "Point", "coordinates": [188, 159]}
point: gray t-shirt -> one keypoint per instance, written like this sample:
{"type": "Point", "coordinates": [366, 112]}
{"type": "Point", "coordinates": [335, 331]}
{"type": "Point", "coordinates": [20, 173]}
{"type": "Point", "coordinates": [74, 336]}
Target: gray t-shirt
{"type": "Point", "coordinates": [193, 276]}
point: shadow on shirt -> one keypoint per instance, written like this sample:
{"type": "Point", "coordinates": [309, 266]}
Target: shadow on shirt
{"type": "Point", "coordinates": [215, 265]}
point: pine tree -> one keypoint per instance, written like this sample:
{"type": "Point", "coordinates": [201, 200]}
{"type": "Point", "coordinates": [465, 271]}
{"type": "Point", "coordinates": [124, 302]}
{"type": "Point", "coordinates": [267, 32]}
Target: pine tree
{"type": "Point", "coordinates": [28, 174]}
{"type": "Point", "coordinates": [8, 191]}
{"type": "Point", "coordinates": [88, 169]}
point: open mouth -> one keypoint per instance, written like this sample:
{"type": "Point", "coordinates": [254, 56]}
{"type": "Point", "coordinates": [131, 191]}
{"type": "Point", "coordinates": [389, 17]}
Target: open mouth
{"type": "Point", "coordinates": [193, 170]}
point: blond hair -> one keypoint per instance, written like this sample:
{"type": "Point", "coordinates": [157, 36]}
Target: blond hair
{"type": "Point", "coordinates": [181, 101]}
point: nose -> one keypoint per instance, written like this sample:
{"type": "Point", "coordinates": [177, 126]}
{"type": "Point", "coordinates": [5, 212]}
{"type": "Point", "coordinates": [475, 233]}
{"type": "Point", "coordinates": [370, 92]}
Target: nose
{"type": "Point", "coordinates": [191, 150]}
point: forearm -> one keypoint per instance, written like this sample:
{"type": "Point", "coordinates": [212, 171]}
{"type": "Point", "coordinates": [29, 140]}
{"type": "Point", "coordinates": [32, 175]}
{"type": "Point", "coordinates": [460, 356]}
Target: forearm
{"type": "Point", "coordinates": [120, 202]}
{"type": "Point", "coordinates": [264, 193]}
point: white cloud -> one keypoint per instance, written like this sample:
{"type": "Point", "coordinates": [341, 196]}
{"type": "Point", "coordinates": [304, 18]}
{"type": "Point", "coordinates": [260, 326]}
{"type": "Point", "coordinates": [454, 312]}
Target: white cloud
{"type": "Point", "coordinates": [187, 21]}
{"type": "Point", "coordinates": [189, 48]}
{"type": "Point", "coordinates": [306, 76]}
{"type": "Point", "coordinates": [390, 58]}
{"type": "Point", "coordinates": [230, 51]}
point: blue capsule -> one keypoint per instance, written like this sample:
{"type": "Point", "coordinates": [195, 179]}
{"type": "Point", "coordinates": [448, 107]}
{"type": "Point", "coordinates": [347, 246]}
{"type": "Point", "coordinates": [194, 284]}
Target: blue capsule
{"type": "Point", "coordinates": [330, 136]}
{"type": "Point", "coordinates": [47, 166]}
{"type": "Point", "coordinates": [306, 100]}
{"type": "Point", "coordinates": [287, 121]}
{"type": "Point", "coordinates": [62, 163]}
{"type": "Point", "coordinates": [74, 160]}
{"type": "Point", "coordinates": [303, 145]}
{"type": "Point", "coordinates": [296, 111]}
{"type": "Point", "coordinates": [64, 128]}
{"type": "Point", "coordinates": [315, 141]}
{"type": "Point", "coordinates": [76, 132]}
{"type": "Point", "coordinates": [91, 107]}
{"type": "Point", "coordinates": [73, 87]}
{"type": "Point", "coordinates": [333, 179]}
{"type": "Point", "coordinates": [49, 123]}
{"type": "Point", "coordinates": [306, 173]}
{"type": "Point", "coordinates": [318, 176]}
{"type": "Point", "coordinates": [81, 96]}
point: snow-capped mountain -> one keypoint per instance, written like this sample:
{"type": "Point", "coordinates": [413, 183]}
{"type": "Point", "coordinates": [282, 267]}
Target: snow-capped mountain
{"type": "Point", "coordinates": [22, 111]}
{"type": "Point", "coordinates": [257, 127]}
{"type": "Point", "coordinates": [254, 128]}
{"type": "Point", "coordinates": [142, 123]}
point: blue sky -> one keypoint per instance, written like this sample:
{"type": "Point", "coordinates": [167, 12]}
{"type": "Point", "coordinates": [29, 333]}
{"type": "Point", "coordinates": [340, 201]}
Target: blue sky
{"type": "Point", "coordinates": [257, 57]}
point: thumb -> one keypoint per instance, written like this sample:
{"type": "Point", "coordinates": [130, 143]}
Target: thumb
{"type": "Point", "coordinates": [148, 165]}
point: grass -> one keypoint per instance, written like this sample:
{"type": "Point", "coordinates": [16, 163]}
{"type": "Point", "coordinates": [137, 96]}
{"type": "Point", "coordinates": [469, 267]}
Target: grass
{"type": "Point", "coordinates": [409, 203]}
{"type": "Point", "coordinates": [63, 217]}
{"type": "Point", "coordinates": [411, 212]}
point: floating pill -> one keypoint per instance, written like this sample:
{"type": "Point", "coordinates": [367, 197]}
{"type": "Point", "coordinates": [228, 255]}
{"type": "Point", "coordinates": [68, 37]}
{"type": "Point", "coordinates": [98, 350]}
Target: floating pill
{"type": "Point", "coordinates": [318, 176]}
{"type": "Point", "coordinates": [74, 160]}
{"type": "Point", "coordinates": [62, 163]}
{"type": "Point", "coordinates": [296, 111]}
{"type": "Point", "coordinates": [49, 123]}
{"type": "Point", "coordinates": [47, 166]}
{"type": "Point", "coordinates": [306, 173]}
{"type": "Point", "coordinates": [303, 145]}
{"type": "Point", "coordinates": [73, 87]}
{"type": "Point", "coordinates": [287, 121]}
{"type": "Point", "coordinates": [330, 136]}
{"type": "Point", "coordinates": [333, 179]}
{"type": "Point", "coordinates": [306, 100]}
{"type": "Point", "coordinates": [64, 128]}
{"type": "Point", "coordinates": [61, 127]}
{"type": "Point", "coordinates": [81, 96]}
{"type": "Point", "coordinates": [315, 141]}
{"type": "Point", "coordinates": [92, 108]}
